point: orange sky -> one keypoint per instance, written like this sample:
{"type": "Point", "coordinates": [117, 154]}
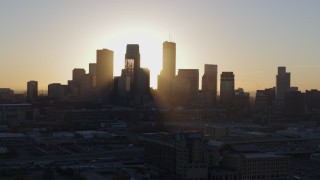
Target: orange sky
{"type": "Point", "coordinates": [44, 41]}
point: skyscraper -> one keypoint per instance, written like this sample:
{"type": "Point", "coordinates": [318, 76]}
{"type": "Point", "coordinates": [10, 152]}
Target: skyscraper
{"type": "Point", "coordinates": [282, 85]}
{"type": "Point", "coordinates": [104, 71]}
{"type": "Point", "coordinates": [185, 86]}
{"type": "Point", "coordinates": [168, 69]}
{"type": "Point", "coordinates": [93, 73]}
{"type": "Point", "coordinates": [227, 89]}
{"type": "Point", "coordinates": [169, 59]}
{"type": "Point", "coordinates": [192, 75]}
{"type": "Point", "coordinates": [143, 81]}
{"type": "Point", "coordinates": [93, 69]}
{"type": "Point", "coordinates": [132, 64]}
{"type": "Point", "coordinates": [209, 80]}
{"type": "Point", "coordinates": [78, 74]}
{"type": "Point", "coordinates": [32, 90]}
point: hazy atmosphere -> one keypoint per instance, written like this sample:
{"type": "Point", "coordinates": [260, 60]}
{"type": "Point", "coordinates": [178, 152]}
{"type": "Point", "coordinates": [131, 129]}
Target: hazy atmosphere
{"type": "Point", "coordinates": [45, 40]}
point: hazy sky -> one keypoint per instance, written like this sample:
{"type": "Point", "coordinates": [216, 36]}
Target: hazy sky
{"type": "Point", "coordinates": [44, 40]}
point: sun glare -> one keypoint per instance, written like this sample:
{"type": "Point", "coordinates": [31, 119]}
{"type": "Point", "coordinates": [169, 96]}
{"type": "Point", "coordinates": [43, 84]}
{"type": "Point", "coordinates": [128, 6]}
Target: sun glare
{"type": "Point", "coordinates": [150, 45]}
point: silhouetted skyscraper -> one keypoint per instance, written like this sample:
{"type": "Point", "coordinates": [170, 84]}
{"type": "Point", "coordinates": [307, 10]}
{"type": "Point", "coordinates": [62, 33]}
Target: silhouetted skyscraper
{"type": "Point", "coordinates": [227, 88]}
{"type": "Point", "coordinates": [139, 78]}
{"type": "Point", "coordinates": [185, 86]}
{"type": "Point", "coordinates": [104, 71]}
{"type": "Point", "coordinates": [78, 74]}
{"type": "Point", "coordinates": [93, 69]}
{"type": "Point", "coordinates": [86, 86]}
{"type": "Point", "coordinates": [168, 69]}
{"type": "Point", "coordinates": [132, 64]}
{"type": "Point", "coordinates": [192, 75]}
{"type": "Point", "coordinates": [32, 90]}
{"type": "Point", "coordinates": [169, 59]}
{"type": "Point", "coordinates": [93, 73]}
{"type": "Point", "coordinates": [143, 81]}
{"type": "Point", "coordinates": [209, 80]}
{"type": "Point", "coordinates": [283, 85]}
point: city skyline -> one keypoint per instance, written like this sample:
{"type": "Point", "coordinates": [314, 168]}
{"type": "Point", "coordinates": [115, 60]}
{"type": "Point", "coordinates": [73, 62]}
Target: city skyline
{"type": "Point", "coordinates": [183, 89]}
{"type": "Point", "coordinates": [222, 33]}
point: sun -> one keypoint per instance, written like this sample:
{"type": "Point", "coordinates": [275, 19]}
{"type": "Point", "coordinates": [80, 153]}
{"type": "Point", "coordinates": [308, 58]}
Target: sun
{"type": "Point", "coordinates": [150, 45]}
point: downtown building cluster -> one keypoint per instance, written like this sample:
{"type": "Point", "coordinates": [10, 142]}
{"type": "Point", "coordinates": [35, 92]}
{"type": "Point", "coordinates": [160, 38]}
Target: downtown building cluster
{"type": "Point", "coordinates": [100, 85]}
{"type": "Point", "coordinates": [180, 132]}
{"type": "Point", "coordinates": [287, 99]}
{"type": "Point", "coordinates": [132, 87]}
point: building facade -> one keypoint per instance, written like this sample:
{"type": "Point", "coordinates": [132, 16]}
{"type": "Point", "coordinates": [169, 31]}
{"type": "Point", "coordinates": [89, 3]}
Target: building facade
{"type": "Point", "coordinates": [258, 165]}
{"type": "Point", "coordinates": [210, 81]}
{"type": "Point", "coordinates": [132, 65]}
{"type": "Point", "coordinates": [282, 85]}
{"type": "Point", "coordinates": [104, 68]}
{"type": "Point", "coordinates": [57, 91]}
{"type": "Point", "coordinates": [227, 89]}
{"type": "Point", "coordinates": [32, 90]}
{"type": "Point", "coordinates": [185, 87]}
{"type": "Point", "coordinates": [93, 73]}
{"type": "Point", "coordinates": [180, 156]}
{"type": "Point", "coordinates": [168, 70]}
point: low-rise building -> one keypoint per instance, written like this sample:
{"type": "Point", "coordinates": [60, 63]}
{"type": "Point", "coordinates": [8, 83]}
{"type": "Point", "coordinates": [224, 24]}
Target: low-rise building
{"type": "Point", "coordinates": [216, 131]}
{"type": "Point", "coordinates": [16, 112]}
{"type": "Point", "coordinates": [258, 165]}
{"type": "Point", "coordinates": [180, 155]}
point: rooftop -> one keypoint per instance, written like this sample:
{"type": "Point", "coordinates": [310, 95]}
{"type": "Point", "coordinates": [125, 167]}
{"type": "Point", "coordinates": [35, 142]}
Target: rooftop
{"type": "Point", "coordinates": [14, 105]}
{"type": "Point", "coordinates": [261, 155]}
{"type": "Point", "coordinates": [12, 135]}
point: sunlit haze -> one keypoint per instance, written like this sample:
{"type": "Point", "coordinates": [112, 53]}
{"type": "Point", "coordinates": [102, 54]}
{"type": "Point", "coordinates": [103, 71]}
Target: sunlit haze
{"type": "Point", "coordinates": [46, 40]}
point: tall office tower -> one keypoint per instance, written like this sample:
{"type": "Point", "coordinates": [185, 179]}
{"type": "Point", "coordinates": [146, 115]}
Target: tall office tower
{"type": "Point", "coordinates": [104, 68]}
{"type": "Point", "coordinates": [132, 64]}
{"type": "Point", "coordinates": [168, 69]}
{"type": "Point", "coordinates": [143, 81]}
{"type": "Point", "coordinates": [78, 74]}
{"type": "Point", "coordinates": [124, 82]}
{"type": "Point", "coordinates": [192, 75]}
{"type": "Point", "coordinates": [32, 90]}
{"type": "Point", "coordinates": [86, 86]}
{"type": "Point", "coordinates": [74, 86]}
{"type": "Point", "coordinates": [121, 90]}
{"type": "Point", "coordinates": [93, 68]}
{"type": "Point", "coordinates": [227, 89]}
{"type": "Point", "coordinates": [185, 86]}
{"type": "Point", "coordinates": [209, 80]}
{"type": "Point", "coordinates": [169, 59]}
{"type": "Point", "coordinates": [283, 85]}
{"type": "Point", "coordinates": [93, 73]}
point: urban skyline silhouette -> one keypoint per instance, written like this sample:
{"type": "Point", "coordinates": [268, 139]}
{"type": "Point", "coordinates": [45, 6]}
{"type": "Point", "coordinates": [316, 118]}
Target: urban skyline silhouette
{"type": "Point", "coordinates": [243, 37]}
{"type": "Point", "coordinates": [152, 90]}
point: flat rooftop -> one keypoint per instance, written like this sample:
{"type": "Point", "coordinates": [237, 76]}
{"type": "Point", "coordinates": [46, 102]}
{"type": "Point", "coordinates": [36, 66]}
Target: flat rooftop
{"type": "Point", "coordinates": [15, 105]}
{"type": "Point", "coordinates": [261, 155]}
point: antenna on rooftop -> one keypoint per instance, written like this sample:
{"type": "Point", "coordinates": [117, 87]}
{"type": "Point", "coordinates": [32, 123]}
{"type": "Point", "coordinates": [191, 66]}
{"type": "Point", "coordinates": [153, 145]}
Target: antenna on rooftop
{"type": "Point", "coordinates": [170, 38]}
